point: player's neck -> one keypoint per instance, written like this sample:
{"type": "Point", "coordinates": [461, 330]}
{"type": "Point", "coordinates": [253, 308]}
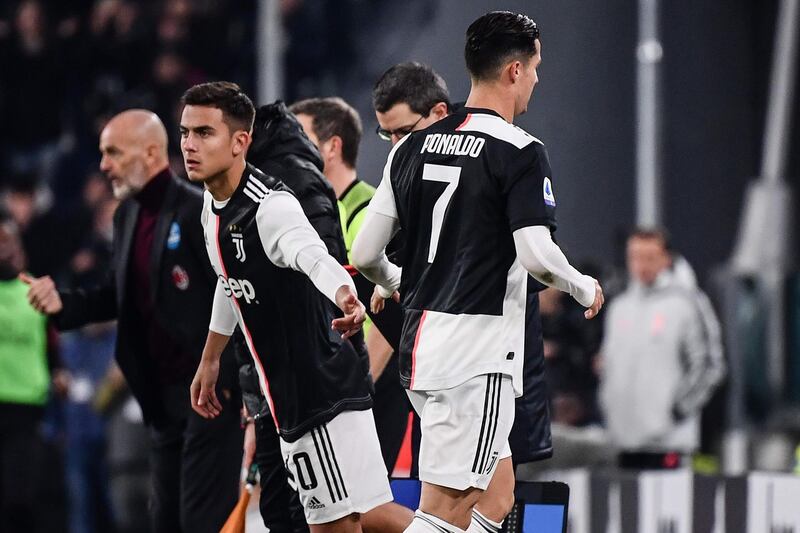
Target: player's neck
{"type": "Point", "coordinates": [340, 178]}
{"type": "Point", "coordinates": [489, 96]}
{"type": "Point", "coordinates": [223, 185]}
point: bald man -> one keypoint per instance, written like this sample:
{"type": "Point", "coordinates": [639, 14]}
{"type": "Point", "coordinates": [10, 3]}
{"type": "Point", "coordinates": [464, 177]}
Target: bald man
{"type": "Point", "coordinates": [160, 290]}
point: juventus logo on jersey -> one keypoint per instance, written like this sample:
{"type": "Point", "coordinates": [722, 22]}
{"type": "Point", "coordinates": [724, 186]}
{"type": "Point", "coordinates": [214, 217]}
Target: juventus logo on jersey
{"type": "Point", "coordinates": [238, 241]}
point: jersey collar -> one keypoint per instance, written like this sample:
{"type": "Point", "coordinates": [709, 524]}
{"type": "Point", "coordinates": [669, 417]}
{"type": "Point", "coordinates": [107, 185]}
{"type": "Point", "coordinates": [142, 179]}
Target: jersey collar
{"type": "Point", "coordinates": [473, 110]}
{"type": "Point", "coordinates": [248, 169]}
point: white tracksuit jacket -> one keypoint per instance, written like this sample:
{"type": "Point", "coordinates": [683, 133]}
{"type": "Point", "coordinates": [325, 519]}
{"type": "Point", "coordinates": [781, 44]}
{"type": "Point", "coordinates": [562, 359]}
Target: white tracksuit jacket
{"type": "Point", "coordinates": [662, 360]}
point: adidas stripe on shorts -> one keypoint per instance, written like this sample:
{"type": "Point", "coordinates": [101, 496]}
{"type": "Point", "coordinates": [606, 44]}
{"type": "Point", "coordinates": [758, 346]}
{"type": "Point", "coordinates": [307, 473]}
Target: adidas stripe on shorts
{"type": "Point", "coordinates": [464, 430]}
{"type": "Point", "coordinates": [337, 468]}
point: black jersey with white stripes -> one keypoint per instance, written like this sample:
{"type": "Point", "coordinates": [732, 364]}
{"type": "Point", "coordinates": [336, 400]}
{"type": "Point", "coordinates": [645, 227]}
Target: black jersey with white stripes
{"type": "Point", "coordinates": [459, 190]}
{"type": "Point", "coordinates": [307, 372]}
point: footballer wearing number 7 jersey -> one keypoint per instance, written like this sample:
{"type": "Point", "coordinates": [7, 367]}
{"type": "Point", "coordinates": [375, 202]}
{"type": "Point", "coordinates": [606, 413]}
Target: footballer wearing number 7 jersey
{"type": "Point", "coordinates": [473, 195]}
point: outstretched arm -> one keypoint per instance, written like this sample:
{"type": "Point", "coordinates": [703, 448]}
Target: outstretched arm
{"type": "Point", "coordinates": [290, 241]}
{"type": "Point", "coordinates": [72, 309]}
{"type": "Point", "coordinates": [545, 261]}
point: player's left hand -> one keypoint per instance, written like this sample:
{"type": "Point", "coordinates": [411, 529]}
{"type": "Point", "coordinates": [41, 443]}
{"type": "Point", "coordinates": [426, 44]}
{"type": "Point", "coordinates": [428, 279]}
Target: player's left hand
{"type": "Point", "coordinates": [599, 299]}
{"type": "Point", "coordinates": [354, 312]}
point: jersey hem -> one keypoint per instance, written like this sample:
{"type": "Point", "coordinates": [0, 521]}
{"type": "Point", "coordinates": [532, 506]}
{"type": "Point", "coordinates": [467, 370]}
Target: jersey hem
{"type": "Point", "coordinates": [351, 404]}
{"type": "Point", "coordinates": [449, 382]}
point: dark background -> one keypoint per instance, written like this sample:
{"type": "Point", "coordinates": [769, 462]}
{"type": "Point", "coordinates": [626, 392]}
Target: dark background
{"type": "Point", "coordinates": [716, 67]}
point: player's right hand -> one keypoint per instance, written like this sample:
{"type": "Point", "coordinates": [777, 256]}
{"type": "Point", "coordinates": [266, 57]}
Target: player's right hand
{"type": "Point", "coordinates": [591, 312]}
{"type": "Point", "coordinates": [203, 390]}
{"type": "Point", "coordinates": [42, 294]}
{"type": "Point", "coordinates": [354, 312]}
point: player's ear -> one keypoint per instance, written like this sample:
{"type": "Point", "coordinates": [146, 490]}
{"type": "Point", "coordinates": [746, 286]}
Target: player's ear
{"type": "Point", "coordinates": [513, 71]}
{"type": "Point", "coordinates": [241, 141]}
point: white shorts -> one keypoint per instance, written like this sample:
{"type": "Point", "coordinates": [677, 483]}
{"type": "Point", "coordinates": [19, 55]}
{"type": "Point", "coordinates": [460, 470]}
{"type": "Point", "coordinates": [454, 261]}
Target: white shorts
{"type": "Point", "coordinates": [337, 468]}
{"type": "Point", "coordinates": [464, 431]}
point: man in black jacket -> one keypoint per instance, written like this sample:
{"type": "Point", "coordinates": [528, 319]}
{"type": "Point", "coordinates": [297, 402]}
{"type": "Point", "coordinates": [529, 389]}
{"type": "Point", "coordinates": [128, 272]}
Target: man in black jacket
{"type": "Point", "coordinates": [160, 291]}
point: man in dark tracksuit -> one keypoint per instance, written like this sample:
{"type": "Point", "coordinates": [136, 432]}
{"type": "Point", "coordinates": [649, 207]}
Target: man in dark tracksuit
{"type": "Point", "coordinates": [160, 291]}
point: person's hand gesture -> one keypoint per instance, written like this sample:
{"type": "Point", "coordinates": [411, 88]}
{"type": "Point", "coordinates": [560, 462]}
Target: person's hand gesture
{"type": "Point", "coordinates": [377, 302]}
{"type": "Point", "coordinates": [354, 312]}
{"type": "Point", "coordinates": [42, 294]}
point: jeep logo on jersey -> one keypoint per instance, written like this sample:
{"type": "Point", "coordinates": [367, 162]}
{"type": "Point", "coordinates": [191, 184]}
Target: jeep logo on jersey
{"type": "Point", "coordinates": [239, 288]}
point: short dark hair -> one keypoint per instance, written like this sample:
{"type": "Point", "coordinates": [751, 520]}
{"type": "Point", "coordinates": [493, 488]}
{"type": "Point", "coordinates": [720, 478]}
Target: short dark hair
{"type": "Point", "coordinates": [497, 38]}
{"type": "Point", "coordinates": [333, 116]}
{"type": "Point", "coordinates": [237, 108]}
{"type": "Point", "coordinates": [652, 233]}
{"type": "Point", "coordinates": [413, 83]}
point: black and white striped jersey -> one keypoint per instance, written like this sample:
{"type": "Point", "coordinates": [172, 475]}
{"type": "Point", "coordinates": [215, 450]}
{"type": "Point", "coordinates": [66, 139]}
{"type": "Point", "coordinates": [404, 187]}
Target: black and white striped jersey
{"type": "Point", "coordinates": [459, 189]}
{"type": "Point", "coordinates": [257, 242]}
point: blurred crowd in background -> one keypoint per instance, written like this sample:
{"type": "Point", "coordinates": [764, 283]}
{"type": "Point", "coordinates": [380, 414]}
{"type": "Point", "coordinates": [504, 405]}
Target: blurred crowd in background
{"type": "Point", "coordinates": [66, 67]}
{"type": "Point", "coordinates": [69, 66]}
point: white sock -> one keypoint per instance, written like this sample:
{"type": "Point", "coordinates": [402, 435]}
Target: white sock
{"type": "Point", "coordinates": [481, 524]}
{"type": "Point", "coordinates": [427, 523]}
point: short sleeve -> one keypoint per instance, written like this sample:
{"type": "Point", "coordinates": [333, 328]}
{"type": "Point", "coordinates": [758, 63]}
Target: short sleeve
{"type": "Point", "coordinates": [383, 201]}
{"type": "Point", "coordinates": [530, 197]}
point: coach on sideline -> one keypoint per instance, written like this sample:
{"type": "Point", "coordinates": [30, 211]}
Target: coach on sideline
{"type": "Point", "coordinates": [160, 291]}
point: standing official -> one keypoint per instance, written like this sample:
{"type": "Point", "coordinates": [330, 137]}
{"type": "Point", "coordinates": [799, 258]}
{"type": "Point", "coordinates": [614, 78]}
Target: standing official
{"type": "Point", "coordinates": [160, 290]}
{"type": "Point", "coordinates": [26, 363]}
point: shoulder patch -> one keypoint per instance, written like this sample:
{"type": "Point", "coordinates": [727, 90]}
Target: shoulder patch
{"type": "Point", "coordinates": [174, 238]}
{"type": "Point", "coordinates": [547, 192]}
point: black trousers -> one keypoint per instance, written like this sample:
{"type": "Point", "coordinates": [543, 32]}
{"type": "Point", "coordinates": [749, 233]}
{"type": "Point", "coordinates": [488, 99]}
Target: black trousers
{"type": "Point", "coordinates": [195, 465]}
{"type": "Point", "coordinates": [390, 408]}
{"type": "Point", "coordinates": [280, 505]}
{"type": "Point", "coordinates": [21, 453]}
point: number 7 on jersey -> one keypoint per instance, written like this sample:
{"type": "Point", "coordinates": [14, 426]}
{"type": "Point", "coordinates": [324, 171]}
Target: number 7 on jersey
{"type": "Point", "coordinates": [450, 176]}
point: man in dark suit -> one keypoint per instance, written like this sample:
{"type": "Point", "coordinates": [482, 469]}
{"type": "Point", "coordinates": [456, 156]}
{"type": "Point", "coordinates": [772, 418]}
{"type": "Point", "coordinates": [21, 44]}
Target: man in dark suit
{"type": "Point", "coordinates": [160, 291]}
